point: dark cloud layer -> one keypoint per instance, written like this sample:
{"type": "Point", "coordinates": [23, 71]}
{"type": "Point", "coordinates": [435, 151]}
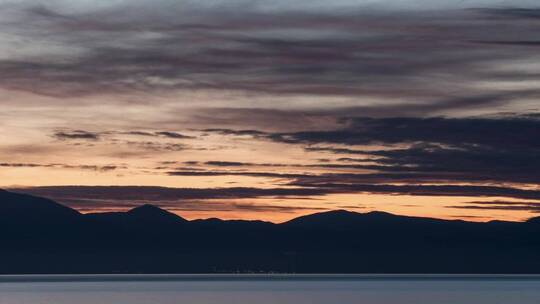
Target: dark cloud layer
{"type": "Point", "coordinates": [501, 149]}
{"type": "Point", "coordinates": [101, 168]}
{"type": "Point", "coordinates": [106, 198]}
{"type": "Point", "coordinates": [354, 52]}
{"type": "Point", "coordinates": [103, 198]}
{"type": "Point", "coordinates": [492, 154]}
{"type": "Point", "coordinates": [76, 135]}
{"type": "Point", "coordinates": [172, 135]}
{"type": "Point", "coordinates": [515, 132]}
{"type": "Point", "coordinates": [92, 135]}
{"type": "Point", "coordinates": [531, 206]}
{"type": "Point", "coordinates": [518, 13]}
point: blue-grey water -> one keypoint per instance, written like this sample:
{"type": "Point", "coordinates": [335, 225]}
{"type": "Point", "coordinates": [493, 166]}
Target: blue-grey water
{"type": "Point", "coordinates": [271, 289]}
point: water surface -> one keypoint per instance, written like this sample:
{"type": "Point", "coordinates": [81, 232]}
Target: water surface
{"type": "Point", "coordinates": [263, 289]}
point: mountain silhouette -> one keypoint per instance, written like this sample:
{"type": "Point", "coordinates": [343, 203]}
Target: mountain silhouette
{"type": "Point", "coordinates": [41, 236]}
{"type": "Point", "coordinates": [22, 214]}
{"type": "Point", "coordinates": [15, 207]}
{"type": "Point", "coordinates": [148, 217]}
{"type": "Point", "coordinates": [342, 219]}
{"type": "Point", "coordinates": [151, 212]}
{"type": "Point", "coordinates": [534, 220]}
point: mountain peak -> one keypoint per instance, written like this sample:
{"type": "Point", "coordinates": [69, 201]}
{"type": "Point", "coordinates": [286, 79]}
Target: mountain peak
{"type": "Point", "coordinates": [147, 208]}
{"type": "Point", "coordinates": [13, 205]}
{"type": "Point", "coordinates": [324, 217]}
{"type": "Point", "coordinates": [534, 220]}
{"type": "Point", "coordinates": [379, 213]}
{"type": "Point", "coordinates": [344, 219]}
{"type": "Point", "coordinates": [148, 211]}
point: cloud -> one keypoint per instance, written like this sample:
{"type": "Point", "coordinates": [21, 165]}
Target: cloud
{"type": "Point", "coordinates": [96, 197]}
{"type": "Point", "coordinates": [124, 197]}
{"type": "Point", "coordinates": [531, 206]}
{"type": "Point", "coordinates": [519, 13]}
{"type": "Point", "coordinates": [510, 164]}
{"type": "Point", "coordinates": [252, 133]}
{"type": "Point", "coordinates": [104, 168]}
{"type": "Point", "coordinates": [161, 141]}
{"type": "Point", "coordinates": [502, 148]}
{"type": "Point", "coordinates": [425, 190]}
{"type": "Point", "coordinates": [245, 164]}
{"type": "Point", "coordinates": [157, 146]}
{"type": "Point", "coordinates": [84, 134]}
{"type": "Point", "coordinates": [406, 55]}
{"type": "Point", "coordinates": [322, 114]}
{"type": "Point", "coordinates": [76, 135]}
{"type": "Point", "coordinates": [138, 133]}
{"type": "Point", "coordinates": [514, 131]}
{"type": "Point", "coordinates": [422, 184]}
{"type": "Point", "coordinates": [173, 135]}
{"type": "Point", "coordinates": [22, 165]}
{"type": "Point", "coordinates": [335, 150]}
{"type": "Point", "coordinates": [231, 206]}
{"type": "Point", "coordinates": [178, 200]}
{"type": "Point", "coordinates": [100, 168]}
{"type": "Point", "coordinates": [227, 164]}
{"type": "Point", "coordinates": [234, 173]}
{"type": "Point", "coordinates": [532, 43]}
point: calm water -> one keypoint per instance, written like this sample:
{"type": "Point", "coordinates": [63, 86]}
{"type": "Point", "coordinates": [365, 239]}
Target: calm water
{"type": "Point", "coordinates": [269, 289]}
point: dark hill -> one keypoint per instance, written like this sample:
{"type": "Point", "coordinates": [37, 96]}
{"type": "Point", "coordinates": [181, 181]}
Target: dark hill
{"type": "Point", "coordinates": [153, 213]}
{"type": "Point", "coordinates": [142, 215]}
{"type": "Point", "coordinates": [41, 236]}
{"type": "Point", "coordinates": [22, 209]}
{"type": "Point", "coordinates": [342, 219]}
{"type": "Point", "coordinates": [534, 220]}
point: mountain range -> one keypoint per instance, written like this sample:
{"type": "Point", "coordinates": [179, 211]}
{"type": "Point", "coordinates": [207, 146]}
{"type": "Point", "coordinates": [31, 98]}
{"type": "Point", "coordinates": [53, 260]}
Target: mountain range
{"type": "Point", "coordinates": [40, 236]}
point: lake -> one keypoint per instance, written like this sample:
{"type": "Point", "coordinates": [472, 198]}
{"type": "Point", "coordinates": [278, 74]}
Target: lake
{"type": "Point", "coordinates": [266, 289]}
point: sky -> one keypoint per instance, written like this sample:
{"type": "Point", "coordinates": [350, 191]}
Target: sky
{"type": "Point", "coordinates": [270, 109]}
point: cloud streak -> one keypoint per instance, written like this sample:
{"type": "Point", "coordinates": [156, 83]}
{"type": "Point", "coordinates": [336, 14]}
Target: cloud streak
{"type": "Point", "coordinates": [531, 206]}
{"type": "Point", "coordinates": [76, 135]}
{"type": "Point", "coordinates": [241, 47]}
{"type": "Point", "coordinates": [100, 168]}
{"type": "Point", "coordinates": [483, 148]}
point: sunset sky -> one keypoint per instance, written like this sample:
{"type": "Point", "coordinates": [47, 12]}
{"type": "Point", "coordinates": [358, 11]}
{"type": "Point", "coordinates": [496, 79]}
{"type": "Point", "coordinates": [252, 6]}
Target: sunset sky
{"type": "Point", "coordinates": [272, 109]}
